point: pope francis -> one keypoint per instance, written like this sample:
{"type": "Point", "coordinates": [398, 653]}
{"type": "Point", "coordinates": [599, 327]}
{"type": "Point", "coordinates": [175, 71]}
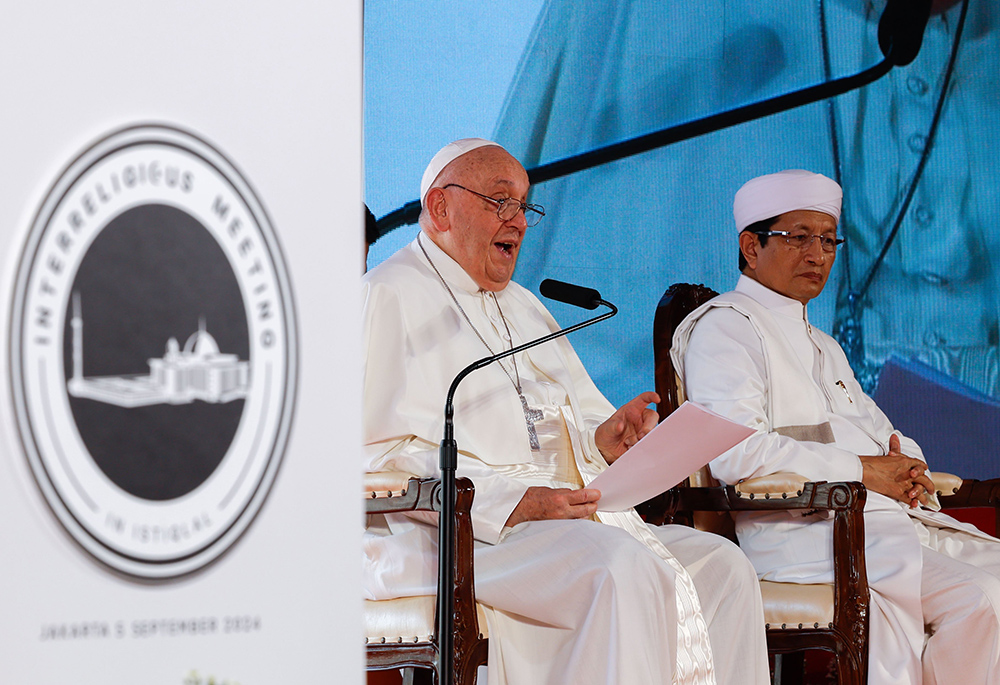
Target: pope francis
{"type": "Point", "coordinates": [573, 595]}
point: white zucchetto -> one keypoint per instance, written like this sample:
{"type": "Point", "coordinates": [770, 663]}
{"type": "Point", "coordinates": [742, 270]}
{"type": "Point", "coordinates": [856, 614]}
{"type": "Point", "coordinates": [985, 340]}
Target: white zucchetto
{"type": "Point", "coordinates": [786, 191]}
{"type": "Point", "coordinates": [445, 156]}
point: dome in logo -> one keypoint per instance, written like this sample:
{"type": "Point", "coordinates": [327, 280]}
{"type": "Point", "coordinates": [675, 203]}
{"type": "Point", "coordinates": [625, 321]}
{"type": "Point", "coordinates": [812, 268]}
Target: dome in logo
{"type": "Point", "coordinates": [201, 345]}
{"type": "Point", "coordinates": [154, 456]}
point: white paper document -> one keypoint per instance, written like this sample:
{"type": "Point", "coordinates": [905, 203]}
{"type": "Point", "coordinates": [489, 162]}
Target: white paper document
{"type": "Point", "coordinates": [680, 445]}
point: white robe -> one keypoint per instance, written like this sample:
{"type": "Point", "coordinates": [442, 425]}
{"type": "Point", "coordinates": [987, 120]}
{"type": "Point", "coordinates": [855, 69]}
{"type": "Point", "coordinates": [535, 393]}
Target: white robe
{"type": "Point", "coordinates": [752, 355]}
{"type": "Point", "coordinates": [572, 601]}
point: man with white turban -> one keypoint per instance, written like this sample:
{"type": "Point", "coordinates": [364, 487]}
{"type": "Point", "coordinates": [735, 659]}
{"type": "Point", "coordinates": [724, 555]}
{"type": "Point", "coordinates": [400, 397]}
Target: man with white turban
{"type": "Point", "coordinates": [572, 595]}
{"type": "Point", "coordinates": [752, 355]}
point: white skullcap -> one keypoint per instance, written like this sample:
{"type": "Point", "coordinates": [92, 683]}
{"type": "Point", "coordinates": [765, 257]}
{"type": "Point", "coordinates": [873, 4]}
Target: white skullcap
{"type": "Point", "coordinates": [445, 156]}
{"type": "Point", "coordinates": [786, 191]}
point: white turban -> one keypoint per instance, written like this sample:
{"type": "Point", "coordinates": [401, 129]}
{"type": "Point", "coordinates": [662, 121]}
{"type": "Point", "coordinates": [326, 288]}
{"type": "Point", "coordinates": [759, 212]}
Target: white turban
{"type": "Point", "coordinates": [445, 156]}
{"type": "Point", "coordinates": [786, 191]}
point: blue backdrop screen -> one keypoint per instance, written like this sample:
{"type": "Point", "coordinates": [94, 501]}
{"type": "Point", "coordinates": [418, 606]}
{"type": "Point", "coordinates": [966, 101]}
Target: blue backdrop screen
{"type": "Point", "coordinates": [913, 297]}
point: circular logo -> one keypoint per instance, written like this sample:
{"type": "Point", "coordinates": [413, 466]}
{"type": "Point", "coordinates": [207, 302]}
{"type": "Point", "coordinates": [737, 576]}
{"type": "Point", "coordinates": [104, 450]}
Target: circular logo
{"type": "Point", "coordinates": [152, 351]}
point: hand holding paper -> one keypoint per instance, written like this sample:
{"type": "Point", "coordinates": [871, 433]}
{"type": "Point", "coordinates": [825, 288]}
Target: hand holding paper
{"type": "Point", "coordinates": [680, 445]}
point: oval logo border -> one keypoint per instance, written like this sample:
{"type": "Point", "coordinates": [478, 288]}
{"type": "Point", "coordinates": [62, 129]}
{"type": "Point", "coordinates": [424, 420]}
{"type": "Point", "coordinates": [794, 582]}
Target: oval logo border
{"type": "Point", "coordinates": [131, 136]}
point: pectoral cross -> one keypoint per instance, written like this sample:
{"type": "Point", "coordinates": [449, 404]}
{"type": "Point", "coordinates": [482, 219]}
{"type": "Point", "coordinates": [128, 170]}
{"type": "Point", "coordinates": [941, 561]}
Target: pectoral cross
{"type": "Point", "coordinates": [530, 416]}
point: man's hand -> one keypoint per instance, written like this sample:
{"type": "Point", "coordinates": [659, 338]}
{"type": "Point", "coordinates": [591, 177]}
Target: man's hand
{"type": "Point", "coordinates": [541, 503]}
{"type": "Point", "coordinates": [626, 426]}
{"type": "Point", "coordinates": [897, 476]}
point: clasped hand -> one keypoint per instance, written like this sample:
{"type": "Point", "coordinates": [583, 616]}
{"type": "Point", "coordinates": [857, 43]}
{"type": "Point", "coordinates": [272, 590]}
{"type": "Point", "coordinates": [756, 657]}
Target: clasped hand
{"type": "Point", "coordinates": [897, 476]}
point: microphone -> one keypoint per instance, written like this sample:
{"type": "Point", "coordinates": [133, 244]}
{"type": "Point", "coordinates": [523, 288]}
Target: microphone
{"type": "Point", "coordinates": [588, 298]}
{"type": "Point", "coordinates": [901, 29]}
{"type": "Point", "coordinates": [577, 295]}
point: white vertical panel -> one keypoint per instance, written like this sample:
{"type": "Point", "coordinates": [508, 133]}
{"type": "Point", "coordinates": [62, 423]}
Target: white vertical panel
{"type": "Point", "coordinates": [275, 87]}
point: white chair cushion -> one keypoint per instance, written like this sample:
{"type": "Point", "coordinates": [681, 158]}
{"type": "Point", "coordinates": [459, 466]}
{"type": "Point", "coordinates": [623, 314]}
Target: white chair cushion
{"type": "Point", "coordinates": [793, 605]}
{"type": "Point", "coordinates": [407, 619]}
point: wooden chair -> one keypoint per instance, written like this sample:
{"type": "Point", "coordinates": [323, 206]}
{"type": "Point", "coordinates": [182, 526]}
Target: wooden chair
{"type": "Point", "coordinates": [957, 493]}
{"type": "Point", "coordinates": [399, 633]}
{"type": "Point", "coordinates": [798, 617]}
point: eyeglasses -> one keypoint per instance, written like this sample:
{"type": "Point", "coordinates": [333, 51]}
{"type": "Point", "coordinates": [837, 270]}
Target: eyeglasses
{"type": "Point", "coordinates": [508, 207]}
{"type": "Point", "coordinates": [804, 241]}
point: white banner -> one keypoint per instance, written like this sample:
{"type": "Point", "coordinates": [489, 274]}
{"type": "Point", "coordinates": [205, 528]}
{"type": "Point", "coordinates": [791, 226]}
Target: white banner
{"type": "Point", "coordinates": [181, 240]}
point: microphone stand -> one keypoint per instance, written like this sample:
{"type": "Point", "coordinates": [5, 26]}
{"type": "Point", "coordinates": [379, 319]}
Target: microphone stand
{"type": "Point", "coordinates": [900, 32]}
{"type": "Point", "coordinates": [448, 462]}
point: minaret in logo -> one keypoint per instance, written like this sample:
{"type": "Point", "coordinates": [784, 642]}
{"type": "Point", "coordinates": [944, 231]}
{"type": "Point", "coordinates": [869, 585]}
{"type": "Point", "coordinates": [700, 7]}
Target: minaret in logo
{"type": "Point", "coordinates": [199, 371]}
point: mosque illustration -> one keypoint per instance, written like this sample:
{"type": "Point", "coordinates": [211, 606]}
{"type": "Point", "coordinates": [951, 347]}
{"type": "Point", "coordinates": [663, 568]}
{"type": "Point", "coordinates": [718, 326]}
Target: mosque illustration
{"type": "Point", "coordinates": [199, 371]}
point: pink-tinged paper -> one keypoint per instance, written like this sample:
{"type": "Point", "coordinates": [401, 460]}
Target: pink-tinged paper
{"type": "Point", "coordinates": [680, 445]}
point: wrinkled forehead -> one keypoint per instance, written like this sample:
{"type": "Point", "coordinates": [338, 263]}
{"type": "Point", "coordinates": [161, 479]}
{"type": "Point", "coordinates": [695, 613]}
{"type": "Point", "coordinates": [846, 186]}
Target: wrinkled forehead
{"type": "Point", "coordinates": [487, 166]}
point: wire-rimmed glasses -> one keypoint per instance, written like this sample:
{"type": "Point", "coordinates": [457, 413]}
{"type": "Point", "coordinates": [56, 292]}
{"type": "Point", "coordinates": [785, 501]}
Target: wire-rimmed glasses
{"type": "Point", "coordinates": [508, 207]}
{"type": "Point", "coordinates": [803, 241]}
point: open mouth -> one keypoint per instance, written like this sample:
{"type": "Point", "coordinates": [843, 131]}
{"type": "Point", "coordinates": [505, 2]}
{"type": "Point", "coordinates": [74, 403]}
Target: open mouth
{"type": "Point", "coordinates": [506, 248]}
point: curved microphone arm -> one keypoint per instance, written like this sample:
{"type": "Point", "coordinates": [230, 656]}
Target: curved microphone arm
{"type": "Point", "coordinates": [449, 407]}
{"type": "Point", "coordinates": [448, 461]}
{"type": "Point", "coordinates": [410, 212]}
{"type": "Point", "coordinates": [709, 124]}
{"type": "Point", "coordinates": [900, 34]}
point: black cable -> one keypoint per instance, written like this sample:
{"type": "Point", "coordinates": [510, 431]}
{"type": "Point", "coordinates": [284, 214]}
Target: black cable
{"type": "Point", "coordinates": [832, 116]}
{"type": "Point", "coordinates": [410, 212]}
{"type": "Point", "coordinates": [924, 156]}
{"type": "Point", "coordinates": [891, 43]}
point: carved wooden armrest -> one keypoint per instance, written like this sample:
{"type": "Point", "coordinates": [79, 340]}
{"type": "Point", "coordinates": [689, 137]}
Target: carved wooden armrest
{"type": "Point", "coordinates": [970, 493]}
{"type": "Point", "coordinates": [945, 484]}
{"type": "Point", "coordinates": [385, 483]}
{"type": "Point", "coordinates": [962, 494]}
{"type": "Point", "coordinates": [390, 492]}
{"type": "Point", "coordinates": [386, 493]}
{"type": "Point", "coordinates": [773, 495]}
{"type": "Point", "coordinates": [847, 502]}
{"type": "Point", "coordinates": [780, 485]}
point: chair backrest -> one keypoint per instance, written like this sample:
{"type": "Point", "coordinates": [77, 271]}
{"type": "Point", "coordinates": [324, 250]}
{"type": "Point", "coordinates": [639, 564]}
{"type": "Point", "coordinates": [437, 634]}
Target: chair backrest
{"type": "Point", "coordinates": [677, 302]}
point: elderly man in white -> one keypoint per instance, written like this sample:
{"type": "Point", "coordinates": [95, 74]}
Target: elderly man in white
{"type": "Point", "coordinates": [753, 356]}
{"type": "Point", "coordinates": [573, 595]}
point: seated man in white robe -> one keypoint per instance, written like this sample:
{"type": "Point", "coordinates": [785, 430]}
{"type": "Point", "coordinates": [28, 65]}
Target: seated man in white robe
{"type": "Point", "coordinates": [752, 356]}
{"type": "Point", "coordinates": [573, 595]}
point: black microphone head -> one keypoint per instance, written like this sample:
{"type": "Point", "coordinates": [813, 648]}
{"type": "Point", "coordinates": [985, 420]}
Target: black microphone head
{"type": "Point", "coordinates": [901, 29]}
{"type": "Point", "coordinates": [576, 295]}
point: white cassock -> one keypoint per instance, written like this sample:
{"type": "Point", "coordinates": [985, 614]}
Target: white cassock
{"type": "Point", "coordinates": [751, 355]}
{"type": "Point", "coordinates": [569, 601]}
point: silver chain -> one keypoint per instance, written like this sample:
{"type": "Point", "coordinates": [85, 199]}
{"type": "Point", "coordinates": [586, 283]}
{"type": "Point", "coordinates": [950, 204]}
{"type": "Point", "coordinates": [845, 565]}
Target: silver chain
{"type": "Point", "coordinates": [517, 383]}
